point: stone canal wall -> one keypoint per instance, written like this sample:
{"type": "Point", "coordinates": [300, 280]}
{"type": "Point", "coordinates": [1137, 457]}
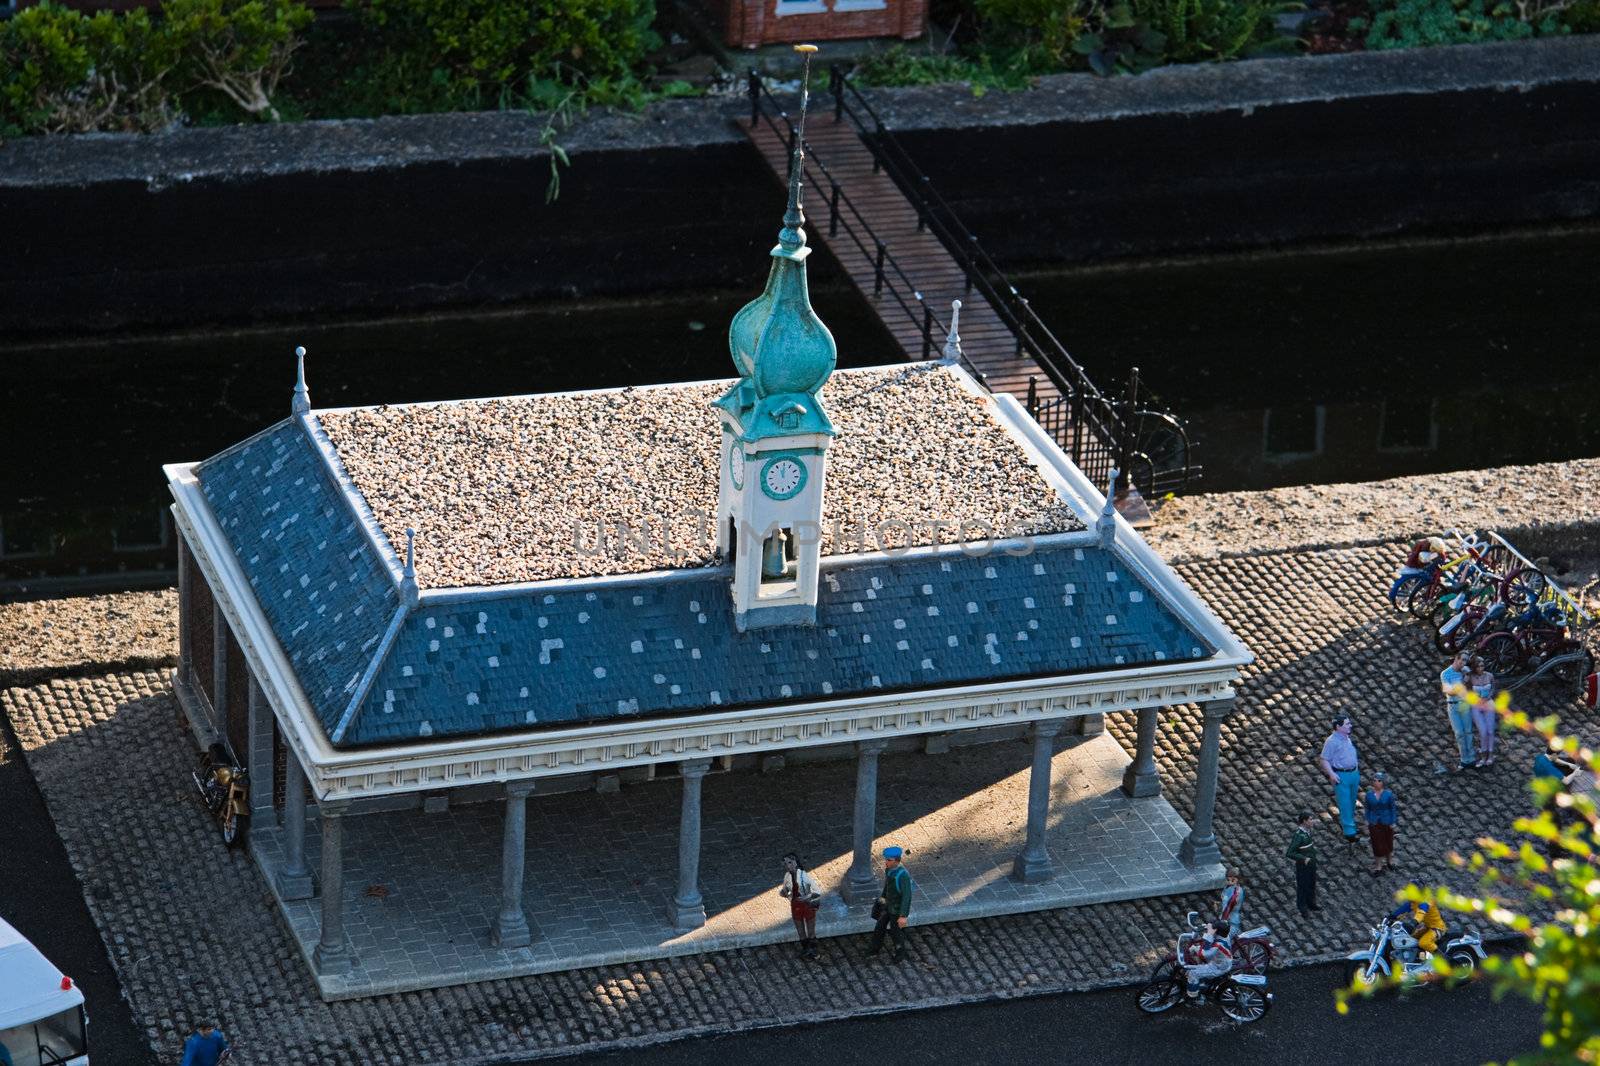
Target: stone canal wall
{"type": "Point", "coordinates": [206, 226]}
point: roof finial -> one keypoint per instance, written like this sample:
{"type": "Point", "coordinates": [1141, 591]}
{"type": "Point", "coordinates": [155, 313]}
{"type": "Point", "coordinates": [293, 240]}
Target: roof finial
{"type": "Point", "coordinates": [1106, 527]}
{"type": "Point", "coordinates": [952, 340]}
{"type": "Point", "coordinates": [792, 236]}
{"type": "Point", "coordinates": [302, 396]}
{"type": "Point", "coordinates": [408, 577]}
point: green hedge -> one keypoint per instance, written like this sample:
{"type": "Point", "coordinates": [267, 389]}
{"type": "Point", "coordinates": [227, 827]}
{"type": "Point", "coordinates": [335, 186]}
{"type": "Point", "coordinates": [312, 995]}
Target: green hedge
{"type": "Point", "coordinates": [63, 71]}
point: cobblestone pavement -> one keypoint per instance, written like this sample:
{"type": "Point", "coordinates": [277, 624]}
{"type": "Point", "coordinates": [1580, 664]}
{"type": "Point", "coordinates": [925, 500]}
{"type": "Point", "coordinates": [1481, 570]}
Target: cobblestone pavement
{"type": "Point", "coordinates": [600, 868]}
{"type": "Point", "coordinates": [193, 932]}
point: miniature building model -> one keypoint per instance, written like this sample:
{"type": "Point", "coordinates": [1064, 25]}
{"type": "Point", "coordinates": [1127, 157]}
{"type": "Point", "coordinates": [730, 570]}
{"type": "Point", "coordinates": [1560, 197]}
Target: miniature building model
{"type": "Point", "coordinates": [381, 605]}
{"type": "Point", "coordinates": [753, 23]}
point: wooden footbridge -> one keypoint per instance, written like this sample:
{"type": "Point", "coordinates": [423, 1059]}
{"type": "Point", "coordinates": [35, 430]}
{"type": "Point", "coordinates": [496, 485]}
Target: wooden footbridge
{"type": "Point", "coordinates": [910, 256]}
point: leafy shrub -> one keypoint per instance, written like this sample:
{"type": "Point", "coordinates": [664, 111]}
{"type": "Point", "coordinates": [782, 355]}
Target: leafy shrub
{"type": "Point", "coordinates": [1582, 17]}
{"type": "Point", "coordinates": [62, 71]}
{"type": "Point", "coordinates": [67, 72]}
{"type": "Point", "coordinates": [1197, 30]}
{"type": "Point", "coordinates": [1134, 37]}
{"type": "Point", "coordinates": [240, 48]}
{"type": "Point", "coordinates": [1051, 26]}
{"type": "Point", "coordinates": [1421, 23]}
{"type": "Point", "coordinates": [486, 46]}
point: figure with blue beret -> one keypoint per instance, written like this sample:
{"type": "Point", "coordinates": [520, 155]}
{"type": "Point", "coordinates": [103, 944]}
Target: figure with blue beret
{"type": "Point", "coordinates": [893, 908]}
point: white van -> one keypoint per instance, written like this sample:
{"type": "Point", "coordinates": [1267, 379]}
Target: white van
{"type": "Point", "coordinates": [42, 1022]}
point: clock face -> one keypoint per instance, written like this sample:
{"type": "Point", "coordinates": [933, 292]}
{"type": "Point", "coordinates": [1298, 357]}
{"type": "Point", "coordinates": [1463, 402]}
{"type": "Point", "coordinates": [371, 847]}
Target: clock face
{"type": "Point", "coordinates": [736, 465]}
{"type": "Point", "coordinates": [782, 477]}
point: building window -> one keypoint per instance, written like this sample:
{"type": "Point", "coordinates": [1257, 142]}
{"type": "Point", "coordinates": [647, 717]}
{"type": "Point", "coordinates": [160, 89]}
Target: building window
{"type": "Point", "coordinates": [1408, 426]}
{"type": "Point", "coordinates": [799, 7]}
{"type": "Point", "coordinates": [25, 536]}
{"type": "Point", "coordinates": [141, 529]}
{"type": "Point", "coordinates": [1293, 432]}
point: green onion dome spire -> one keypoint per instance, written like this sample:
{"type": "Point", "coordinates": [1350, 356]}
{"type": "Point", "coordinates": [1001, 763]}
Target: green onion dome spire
{"type": "Point", "coordinates": [778, 343]}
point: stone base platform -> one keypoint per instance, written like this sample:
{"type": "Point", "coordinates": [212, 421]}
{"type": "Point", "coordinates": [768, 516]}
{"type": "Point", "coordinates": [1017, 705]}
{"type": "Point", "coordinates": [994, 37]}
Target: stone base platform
{"type": "Point", "coordinates": [421, 888]}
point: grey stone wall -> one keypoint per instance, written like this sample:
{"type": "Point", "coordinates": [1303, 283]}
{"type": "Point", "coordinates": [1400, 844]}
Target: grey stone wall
{"type": "Point", "coordinates": [216, 225]}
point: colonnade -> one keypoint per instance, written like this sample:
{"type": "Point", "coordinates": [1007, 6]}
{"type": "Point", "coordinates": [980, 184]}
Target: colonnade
{"type": "Point", "coordinates": [686, 907]}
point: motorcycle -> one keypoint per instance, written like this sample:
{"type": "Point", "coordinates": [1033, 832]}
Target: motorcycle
{"type": "Point", "coordinates": [1242, 996]}
{"type": "Point", "coordinates": [224, 788]}
{"type": "Point", "coordinates": [1395, 952]}
{"type": "Point", "coordinates": [1253, 949]}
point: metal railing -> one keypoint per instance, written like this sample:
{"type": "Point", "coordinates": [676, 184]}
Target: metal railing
{"type": "Point", "coordinates": [1083, 420]}
{"type": "Point", "coordinates": [843, 216]}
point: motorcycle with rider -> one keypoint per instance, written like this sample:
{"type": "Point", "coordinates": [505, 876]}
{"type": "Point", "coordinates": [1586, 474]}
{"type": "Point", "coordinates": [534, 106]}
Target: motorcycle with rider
{"type": "Point", "coordinates": [1205, 969]}
{"type": "Point", "coordinates": [1405, 943]}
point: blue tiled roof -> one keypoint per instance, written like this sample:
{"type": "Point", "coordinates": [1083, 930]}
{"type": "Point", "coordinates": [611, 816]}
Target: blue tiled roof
{"type": "Point", "coordinates": [326, 594]}
{"type": "Point", "coordinates": [655, 648]}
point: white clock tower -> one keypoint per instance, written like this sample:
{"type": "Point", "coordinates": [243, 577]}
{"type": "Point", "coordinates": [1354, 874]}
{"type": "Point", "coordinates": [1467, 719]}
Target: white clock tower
{"type": "Point", "coordinates": [775, 435]}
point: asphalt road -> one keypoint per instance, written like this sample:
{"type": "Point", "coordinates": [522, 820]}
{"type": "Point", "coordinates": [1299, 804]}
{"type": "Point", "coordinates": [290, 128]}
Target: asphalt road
{"type": "Point", "coordinates": [1433, 1027]}
{"type": "Point", "coordinates": [41, 896]}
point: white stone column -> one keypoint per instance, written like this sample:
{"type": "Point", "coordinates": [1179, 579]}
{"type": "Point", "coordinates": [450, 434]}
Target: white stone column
{"type": "Point", "coordinates": [1033, 864]}
{"type": "Point", "coordinates": [294, 877]}
{"type": "Point", "coordinates": [259, 758]}
{"type": "Point", "coordinates": [1141, 777]}
{"type": "Point", "coordinates": [219, 673]}
{"type": "Point", "coordinates": [861, 884]}
{"type": "Point", "coordinates": [511, 924]}
{"type": "Point", "coordinates": [1200, 846]}
{"type": "Point", "coordinates": [332, 955]}
{"type": "Point", "coordinates": [688, 906]}
{"type": "Point", "coordinates": [185, 614]}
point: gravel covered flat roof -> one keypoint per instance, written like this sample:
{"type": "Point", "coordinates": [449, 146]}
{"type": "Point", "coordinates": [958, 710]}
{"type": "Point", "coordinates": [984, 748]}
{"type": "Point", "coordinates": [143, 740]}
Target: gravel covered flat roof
{"type": "Point", "coordinates": [565, 485]}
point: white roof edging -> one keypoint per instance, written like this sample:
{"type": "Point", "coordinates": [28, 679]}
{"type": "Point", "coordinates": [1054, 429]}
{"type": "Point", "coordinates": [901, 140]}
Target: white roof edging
{"type": "Point", "coordinates": [1133, 548]}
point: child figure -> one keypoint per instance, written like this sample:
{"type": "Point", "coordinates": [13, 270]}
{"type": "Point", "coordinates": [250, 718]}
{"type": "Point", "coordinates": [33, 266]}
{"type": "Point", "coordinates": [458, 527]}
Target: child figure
{"type": "Point", "coordinates": [800, 889]}
{"type": "Point", "coordinates": [1481, 682]}
{"type": "Point", "coordinates": [1231, 914]}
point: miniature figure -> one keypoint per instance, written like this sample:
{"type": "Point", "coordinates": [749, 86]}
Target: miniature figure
{"type": "Point", "coordinates": [1338, 761]}
{"type": "Point", "coordinates": [1231, 914]}
{"type": "Point", "coordinates": [1303, 850]}
{"type": "Point", "coordinates": [893, 908]}
{"type": "Point", "coordinates": [1481, 682]}
{"type": "Point", "coordinates": [1381, 817]}
{"type": "Point", "coordinates": [800, 889]}
{"type": "Point", "coordinates": [1453, 683]}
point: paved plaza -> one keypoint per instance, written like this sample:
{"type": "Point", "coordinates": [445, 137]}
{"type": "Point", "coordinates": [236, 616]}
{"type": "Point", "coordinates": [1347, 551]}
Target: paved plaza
{"type": "Point", "coordinates": [194, 931]}
{"type": "Point", "coordinates": [420, 889]}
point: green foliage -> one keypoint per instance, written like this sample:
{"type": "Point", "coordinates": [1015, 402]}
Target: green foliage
{"type": "Point", "coordinates": [1546, 889]}
{"type": "Point", "coordinates": [1582, 17]}
{"type": "Point", "coordinates": [989, 70]}
{"type": "Point", "coordinates": [1421, 23]}
{"type": "Point", "coordinates": [486, 47]}
{"type": "Point", "coordinates": [63, 71]}
{"type": "Point", "coordinates": [1198, 30]}
{"type": "Point", "coordinates": [239, 48]}
{"type": "Point", "coordinates": [1052, 27]}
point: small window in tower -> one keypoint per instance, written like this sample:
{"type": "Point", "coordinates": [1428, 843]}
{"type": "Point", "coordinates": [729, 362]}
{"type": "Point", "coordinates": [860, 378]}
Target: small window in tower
{"type": "Point", "coordinates": [779, 569]}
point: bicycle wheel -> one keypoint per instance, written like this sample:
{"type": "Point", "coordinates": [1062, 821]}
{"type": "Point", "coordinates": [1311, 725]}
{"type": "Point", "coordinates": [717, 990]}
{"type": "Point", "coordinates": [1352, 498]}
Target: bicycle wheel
{"type": "Point", "coordinates": [1252, 956]}
{"type": "Point", "coordinates": [1523, 587]}
{"type": "Point", "coordinates": [1244, 1003]}
{"type": "Point", "coordinates": [1158, 996]}
{"type": "Point", "coordinates": [1573, 672]}
{"type": "Point", "coordinates": [1400, 595]}
{"type": "Point", "coordinates": [1420, 600]}
{"type": "Point", "coordinates": [1501, 653]}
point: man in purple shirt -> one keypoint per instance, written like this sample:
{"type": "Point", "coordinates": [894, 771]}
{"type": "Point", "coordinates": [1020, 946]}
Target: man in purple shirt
{"type": "Point", "coordinates": [1338, 761]}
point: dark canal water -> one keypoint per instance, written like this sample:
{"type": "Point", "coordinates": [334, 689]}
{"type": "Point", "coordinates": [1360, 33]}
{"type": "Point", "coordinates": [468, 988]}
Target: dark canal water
{"type": "Point", "coordinates": [1327, 366]}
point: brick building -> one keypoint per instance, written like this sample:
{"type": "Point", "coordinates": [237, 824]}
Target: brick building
{"type": "Point", "coordinates": [753, 23]}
